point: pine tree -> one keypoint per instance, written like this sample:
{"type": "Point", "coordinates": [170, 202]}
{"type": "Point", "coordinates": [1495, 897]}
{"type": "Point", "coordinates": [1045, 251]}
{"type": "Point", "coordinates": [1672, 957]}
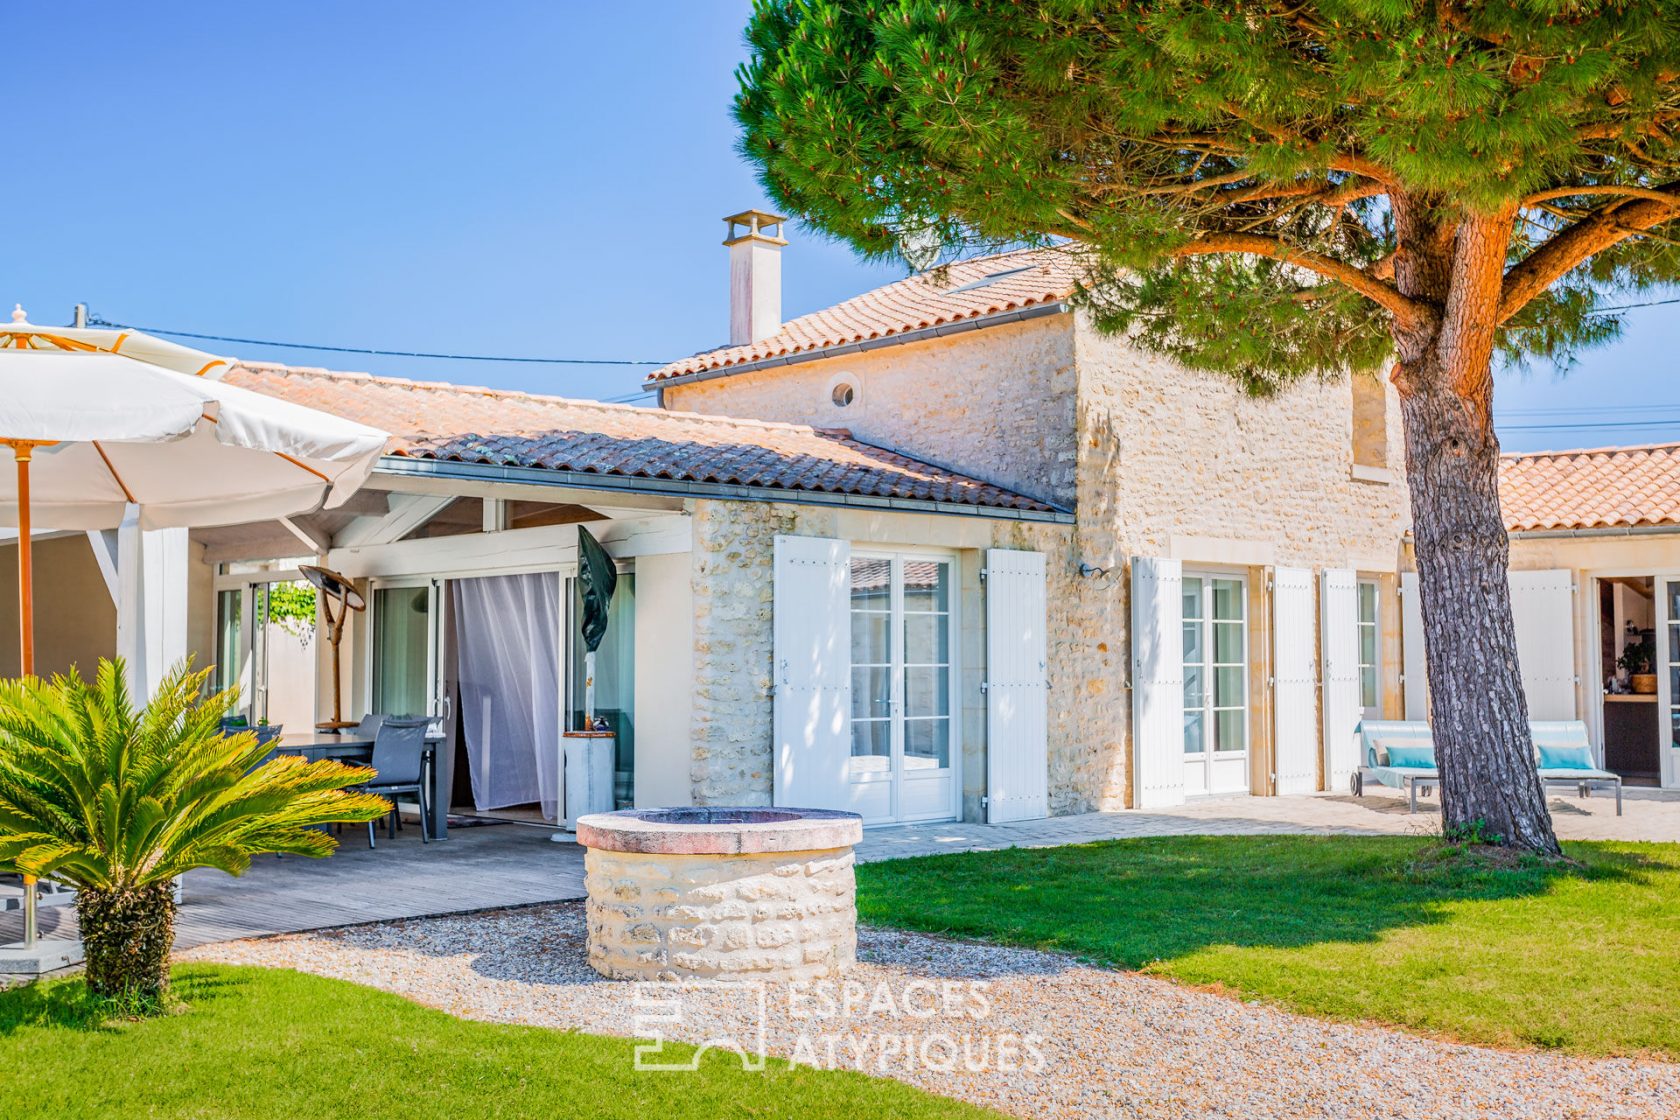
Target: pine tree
{"type": "Point", "coordinates": [1420, 186]}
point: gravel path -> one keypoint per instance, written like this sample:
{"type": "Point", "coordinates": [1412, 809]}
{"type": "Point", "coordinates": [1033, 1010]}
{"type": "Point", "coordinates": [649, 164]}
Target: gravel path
{"type": "Point", "coordinates": [1032, 1034]}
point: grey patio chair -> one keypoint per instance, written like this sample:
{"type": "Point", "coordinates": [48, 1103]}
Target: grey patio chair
{"type": "Point", "coordinates": [399, 762]}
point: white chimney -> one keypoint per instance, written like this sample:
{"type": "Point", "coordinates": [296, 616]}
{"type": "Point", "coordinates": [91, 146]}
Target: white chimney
{"type": "Point", "coordinates": [755, 275]}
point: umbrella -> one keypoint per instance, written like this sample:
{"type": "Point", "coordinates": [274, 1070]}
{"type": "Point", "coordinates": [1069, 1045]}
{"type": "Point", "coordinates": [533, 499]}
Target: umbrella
{"type": "Point", "coordinates": [109, 425]}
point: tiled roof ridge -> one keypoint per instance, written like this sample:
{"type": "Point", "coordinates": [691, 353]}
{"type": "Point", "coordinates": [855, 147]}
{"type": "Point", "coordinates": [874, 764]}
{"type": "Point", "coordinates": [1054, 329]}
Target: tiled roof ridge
{"type": "Point", "coordinates": [893, 309]}
{"type": "Point", "coordinates": [1584, 452]}
{"type": "Point", "coordinates": [545, 398]}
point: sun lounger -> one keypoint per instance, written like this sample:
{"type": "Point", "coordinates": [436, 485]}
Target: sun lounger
{"type": "Point", "coordinates": [1399, 754]}
{"type": "Point", "coordinates": [1565, 758]}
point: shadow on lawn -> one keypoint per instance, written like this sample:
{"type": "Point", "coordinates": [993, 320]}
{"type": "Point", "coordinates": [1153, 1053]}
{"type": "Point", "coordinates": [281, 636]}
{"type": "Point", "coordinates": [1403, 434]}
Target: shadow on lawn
{"type": "Point", "coordinates": [1133, 902]}
{"type": "Point", "coordinates": [66, 1004]}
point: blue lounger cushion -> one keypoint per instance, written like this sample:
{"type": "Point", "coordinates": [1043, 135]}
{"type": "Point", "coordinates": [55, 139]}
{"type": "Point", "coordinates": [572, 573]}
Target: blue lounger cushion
{"type": "Point", "coordinates": [1410, 756]}
{"type": "Point", "coordinates": [1566, 758]}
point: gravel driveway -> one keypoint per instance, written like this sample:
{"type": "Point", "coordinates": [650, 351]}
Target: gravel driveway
{"type": "Point", "coordinates": [1029, 1033]}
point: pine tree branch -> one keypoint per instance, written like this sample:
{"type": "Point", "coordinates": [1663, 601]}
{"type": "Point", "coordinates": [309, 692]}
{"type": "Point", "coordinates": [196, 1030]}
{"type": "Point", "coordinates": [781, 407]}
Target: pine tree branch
{"type": "Point", "coordinates": [1383, 294]}
{"type": "Point", "coordinates": [1609, 225]}
{"type": "Point", "coordinates": [1599, 188]}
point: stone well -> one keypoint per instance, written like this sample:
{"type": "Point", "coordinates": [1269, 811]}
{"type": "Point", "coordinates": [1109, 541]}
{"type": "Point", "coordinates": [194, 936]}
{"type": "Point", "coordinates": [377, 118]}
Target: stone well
{"type": "Point", "coordinates": [721, 894]}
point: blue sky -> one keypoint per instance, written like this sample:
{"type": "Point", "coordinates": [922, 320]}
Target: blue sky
{"type": "Point", "coordinates": [526, 178]}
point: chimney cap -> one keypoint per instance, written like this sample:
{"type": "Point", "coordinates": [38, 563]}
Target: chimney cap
{"type": "Point", "coordinates": [756, 225]}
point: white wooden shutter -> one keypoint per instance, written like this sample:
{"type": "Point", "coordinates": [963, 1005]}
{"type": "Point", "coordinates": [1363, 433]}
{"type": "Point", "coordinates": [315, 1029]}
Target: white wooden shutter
{"type": "Point", "coordinates": [1339, 636]}
{"type": "Point", "coordinates": [1414, 673]}
{"type": "Point", "coordinates": [1157, 682]}
{"type": "Point", "coordinates": [1017, 701]}
{"type": "Point", "coordinates": [1543, 604]}
{"type": "Point", "coordinates": [1294, 691]}
{"type": "Point", "coordinates": [812, 637]}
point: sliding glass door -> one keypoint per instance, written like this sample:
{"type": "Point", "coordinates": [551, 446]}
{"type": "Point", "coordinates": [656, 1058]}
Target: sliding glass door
{"type": "Point", "coordinates": [405, 628]}
{"type": "Point", "coordinates": [266, 646]}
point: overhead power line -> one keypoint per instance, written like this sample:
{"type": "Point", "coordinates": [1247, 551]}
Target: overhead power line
{"type": "Point", "coordinates": [1602, 426]}
{"type": "Point", "coordinates": [95, 322]}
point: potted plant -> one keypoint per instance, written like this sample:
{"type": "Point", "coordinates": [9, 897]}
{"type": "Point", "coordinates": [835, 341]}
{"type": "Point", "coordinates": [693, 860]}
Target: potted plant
{"type": "Point", "coordinates": [1636, 659]}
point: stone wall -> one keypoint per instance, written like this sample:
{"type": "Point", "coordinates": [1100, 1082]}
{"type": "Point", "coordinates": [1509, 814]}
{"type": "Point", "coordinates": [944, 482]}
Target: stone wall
{"type": "Point", "coordinates": [1160, 460]}
{"type": "Point", "coordinates": [1182, 464]}
{"type": "Point", "coordinates": [786, 916]}
{"type": "Point", "coordinates": [995, 404]}
{"type": "Point", "coordinates": [734, 557]}
{"type": "Point", "coordinates": [1192, 460]}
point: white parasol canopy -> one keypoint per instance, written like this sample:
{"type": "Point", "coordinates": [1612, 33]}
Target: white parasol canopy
{"type": "Point", "coordinates": [112, 428]}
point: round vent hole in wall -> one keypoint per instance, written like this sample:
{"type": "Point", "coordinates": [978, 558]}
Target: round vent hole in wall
{"type": "Point", "coordinates": [843, 394]}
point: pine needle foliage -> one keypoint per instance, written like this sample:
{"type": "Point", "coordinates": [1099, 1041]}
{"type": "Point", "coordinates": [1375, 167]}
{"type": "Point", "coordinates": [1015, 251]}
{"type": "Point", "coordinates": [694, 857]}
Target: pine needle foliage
{"type": "Point", "coordinates": [1145, 135]}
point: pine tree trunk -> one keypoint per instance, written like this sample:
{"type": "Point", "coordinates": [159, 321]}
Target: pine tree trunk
{"type": "Point", "coordinates": [1453, 264]}
{"type": "Point", "coordinates": [1477, 709]}
{"type": "Point", "coordinates": [127, 936]}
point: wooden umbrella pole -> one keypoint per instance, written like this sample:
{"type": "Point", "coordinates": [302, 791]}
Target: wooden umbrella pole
{"type": "Point", "coordinates": [24, 452]}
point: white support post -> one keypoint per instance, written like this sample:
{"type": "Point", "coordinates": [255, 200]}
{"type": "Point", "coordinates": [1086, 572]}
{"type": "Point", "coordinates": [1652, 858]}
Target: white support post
{"type": "Point", "coordinates": [151, 602]}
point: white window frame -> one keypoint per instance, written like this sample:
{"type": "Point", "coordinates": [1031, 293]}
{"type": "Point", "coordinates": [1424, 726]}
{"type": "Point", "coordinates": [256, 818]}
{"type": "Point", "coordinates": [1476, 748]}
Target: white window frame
{"type": "Point", "coordinates": [1374, 709]}
{"type": "Point", "coordinates": [252, 677]}
{"type": "Point", "coordinates": [896, 773]}
{"type": "Point", "coordinates": [1204, 578]}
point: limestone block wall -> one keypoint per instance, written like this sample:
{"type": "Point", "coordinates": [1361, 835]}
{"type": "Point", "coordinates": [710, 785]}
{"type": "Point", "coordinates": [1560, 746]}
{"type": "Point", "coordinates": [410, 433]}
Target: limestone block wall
{"type": "Point", "coordinates": [733, 557]}
{"type": "Point", "coordinates": [780, 916]}
{"type": "Point", "coordinates": [1183, 464]}
{"type": "Point", "coordinates": [1187, 457]}
{"type": "Point", "coordinates": [995, 404]}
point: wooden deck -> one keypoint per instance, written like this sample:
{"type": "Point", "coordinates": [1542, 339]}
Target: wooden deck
{"type": "Point", "coordinates": [475, 869]}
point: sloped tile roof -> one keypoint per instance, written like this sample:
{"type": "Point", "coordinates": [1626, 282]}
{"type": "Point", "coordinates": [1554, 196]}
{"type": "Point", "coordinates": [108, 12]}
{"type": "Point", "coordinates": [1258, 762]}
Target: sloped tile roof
{"type": "Point", "coordinates": [438, 420]}
{"type": "Point", "coordinates": [968, 289]}
{"type": "Point", "coordinates": [1610, 487]}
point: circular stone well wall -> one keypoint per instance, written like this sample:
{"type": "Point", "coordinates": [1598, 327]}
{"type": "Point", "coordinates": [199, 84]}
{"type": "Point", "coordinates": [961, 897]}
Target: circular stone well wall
{"type": "Point", "coordinates": [723, 894]}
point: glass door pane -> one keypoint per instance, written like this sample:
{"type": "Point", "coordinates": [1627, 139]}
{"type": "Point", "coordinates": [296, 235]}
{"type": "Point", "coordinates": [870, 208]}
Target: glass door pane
{"type": "Point", "coordinates": [1230, 665]}
{"type": "Point", "coordinates": [402, 627]}
{"type": "Point", "coordinates": [1672, 649]}
{"type": "Point", "coordinates": [927, 664]}
{"type": "Point", "coordinates": [230, 644]}
{"type": "Point", "coordinates": [283, 654]}
{"type": "Point", "coordinates": [872, 666]}
{"type": "Point", "coordinates": [1195, 667]}
{"type": "Point", "coordinates": [1369, 681]}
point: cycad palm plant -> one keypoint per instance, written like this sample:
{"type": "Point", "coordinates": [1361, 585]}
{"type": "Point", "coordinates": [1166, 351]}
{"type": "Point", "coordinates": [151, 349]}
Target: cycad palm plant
{"type": "Point", "coordinates": [117, 802]}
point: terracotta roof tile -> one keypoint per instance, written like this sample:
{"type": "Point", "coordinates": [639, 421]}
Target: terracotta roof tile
{"type": "Point", "coordinates": [1611, 487]}
{"type": "Point", "coordinates": [437, 420]}
{"type": "Point", "coordinates": [1034, 277]}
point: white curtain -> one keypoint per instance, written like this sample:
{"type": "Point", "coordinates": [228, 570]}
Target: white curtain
{"type": "Point", "coordinates": [508, 633]}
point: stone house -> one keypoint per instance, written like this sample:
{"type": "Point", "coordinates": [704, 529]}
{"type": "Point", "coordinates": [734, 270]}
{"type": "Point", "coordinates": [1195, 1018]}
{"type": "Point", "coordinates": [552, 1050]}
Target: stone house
{"type": "Point", "coordinates": [939, 551]}
{"type": "Point", "coordinates": [1221, 549]}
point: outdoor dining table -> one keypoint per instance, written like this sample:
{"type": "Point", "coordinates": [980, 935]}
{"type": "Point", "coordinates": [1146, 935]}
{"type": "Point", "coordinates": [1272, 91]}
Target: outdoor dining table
{"type": "Point", "coordinates": [358, 749]}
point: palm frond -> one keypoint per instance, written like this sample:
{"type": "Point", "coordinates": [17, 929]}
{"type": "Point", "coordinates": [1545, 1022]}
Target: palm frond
{"type": "Point", "coordinates": [100, 795]}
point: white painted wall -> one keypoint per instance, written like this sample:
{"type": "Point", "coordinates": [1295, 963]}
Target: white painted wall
{"type": "Point", "coordinates": [664, 679]}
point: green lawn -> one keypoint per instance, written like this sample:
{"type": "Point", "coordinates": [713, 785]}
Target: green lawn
{"type": "Point", "coordinates": [256, 1043]}
{"type": "Point", "coordinates": [1347, 927]}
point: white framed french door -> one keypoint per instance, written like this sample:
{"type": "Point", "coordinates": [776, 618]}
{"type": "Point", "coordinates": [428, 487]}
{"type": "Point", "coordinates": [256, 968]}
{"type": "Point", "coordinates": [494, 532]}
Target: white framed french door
{"type": "Point", "coordinates": [1216, 723]}
{"type": "Point", "coordinates": [1668, 678]}
{"type": "Point", "coordinates": [905, 751]}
